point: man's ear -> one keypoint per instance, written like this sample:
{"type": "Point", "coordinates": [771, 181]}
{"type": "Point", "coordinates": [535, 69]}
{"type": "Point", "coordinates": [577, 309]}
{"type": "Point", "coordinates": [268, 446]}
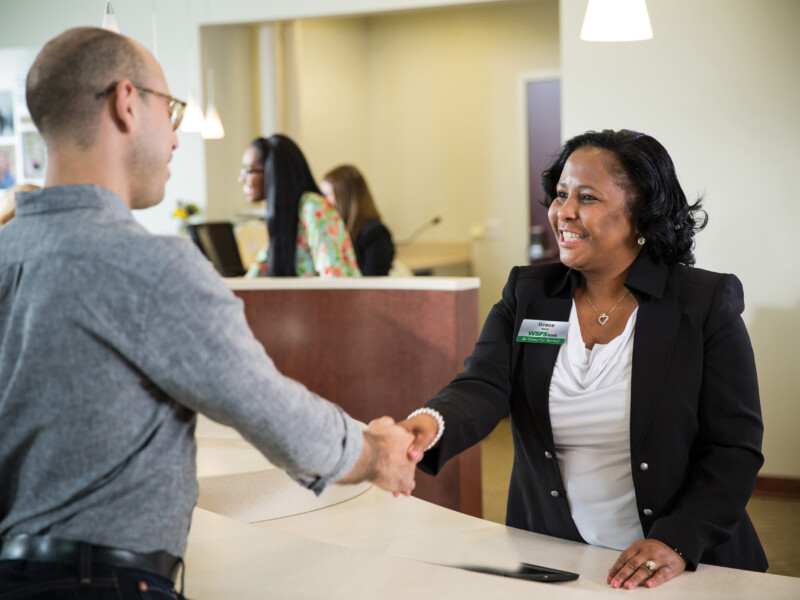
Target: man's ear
{"type": "Point", "coordinates": [125, 108]}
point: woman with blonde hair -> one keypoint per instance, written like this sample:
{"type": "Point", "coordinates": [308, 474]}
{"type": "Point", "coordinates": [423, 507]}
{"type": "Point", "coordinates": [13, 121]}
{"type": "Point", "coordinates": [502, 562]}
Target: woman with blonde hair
{"type": "Point", "coordinates": [347, 190]}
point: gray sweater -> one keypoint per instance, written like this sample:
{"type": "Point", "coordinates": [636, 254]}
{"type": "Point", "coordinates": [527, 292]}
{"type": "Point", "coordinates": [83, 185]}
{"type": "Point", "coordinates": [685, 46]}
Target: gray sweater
{"type": "Point", "coordinates": [111, 340]}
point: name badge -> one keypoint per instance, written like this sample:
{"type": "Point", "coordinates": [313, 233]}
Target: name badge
{"type": "Point", "coordinates": [543, 332]}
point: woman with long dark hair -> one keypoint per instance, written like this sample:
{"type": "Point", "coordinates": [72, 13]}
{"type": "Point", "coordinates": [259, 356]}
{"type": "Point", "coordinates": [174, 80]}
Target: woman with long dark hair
{"type": "Point", "coordinates": [307, 236]}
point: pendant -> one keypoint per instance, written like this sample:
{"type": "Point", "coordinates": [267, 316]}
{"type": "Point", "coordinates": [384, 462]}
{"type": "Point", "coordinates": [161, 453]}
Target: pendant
{"type": "Point", "coordinates": [602, 319]}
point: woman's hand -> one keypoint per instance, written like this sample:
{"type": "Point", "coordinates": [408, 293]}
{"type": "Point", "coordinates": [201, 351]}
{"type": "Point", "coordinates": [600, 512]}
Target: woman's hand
{"type": "Point", "coordinates": [631, 569]}
{"type": "Point", "coordinates": [424, 427]}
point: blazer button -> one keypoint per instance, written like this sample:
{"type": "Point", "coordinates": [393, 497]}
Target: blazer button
{"type": "Point", "coordinates": [548, 455]}
{"type": "Point", "coordinates": [555, 494]}
{"type": "Point", "coordinates": [647, 512]}
{"type": "Point", "coordinates": [644, 467]}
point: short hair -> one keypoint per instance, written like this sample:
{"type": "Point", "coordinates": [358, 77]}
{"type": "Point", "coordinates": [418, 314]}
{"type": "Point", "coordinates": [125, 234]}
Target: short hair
{"type": "Point", "coordinates": [353, 198]}
{"type": "Point", "coordinates": [69, 73]}
{"type": "Point", "coordinates": [287, 177]}
{"type": "Point", "coordinates": [644, 170]}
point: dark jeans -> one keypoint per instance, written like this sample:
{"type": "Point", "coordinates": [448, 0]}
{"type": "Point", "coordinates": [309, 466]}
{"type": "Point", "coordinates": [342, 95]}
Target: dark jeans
{"type": "Point", "coordinates": [54, 581]}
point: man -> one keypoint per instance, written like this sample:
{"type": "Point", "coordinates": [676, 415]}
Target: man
{"type": "Point", "coordinates": [112, 339]}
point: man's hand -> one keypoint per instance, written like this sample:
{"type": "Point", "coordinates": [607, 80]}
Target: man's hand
{"type": "Point", "coordinates": [424, 427]}
{"type": "Point", "coordinates": [384, 459]}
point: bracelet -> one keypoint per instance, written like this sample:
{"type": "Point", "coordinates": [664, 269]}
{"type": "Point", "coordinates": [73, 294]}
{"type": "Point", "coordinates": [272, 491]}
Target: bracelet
{"type": "Point", "coordinates": [439, 419]}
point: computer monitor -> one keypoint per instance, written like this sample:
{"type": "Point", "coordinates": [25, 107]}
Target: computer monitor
{"type": "Point", "coordinates": [218, 243]}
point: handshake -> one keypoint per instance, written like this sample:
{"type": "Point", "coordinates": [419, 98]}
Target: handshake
{"type": "Point", "coordinates": [391, 452]}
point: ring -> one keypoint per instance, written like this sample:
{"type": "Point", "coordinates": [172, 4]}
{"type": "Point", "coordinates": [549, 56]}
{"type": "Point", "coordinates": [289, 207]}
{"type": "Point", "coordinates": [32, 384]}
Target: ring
{"type": "Point", "coordinates": [650, 566]}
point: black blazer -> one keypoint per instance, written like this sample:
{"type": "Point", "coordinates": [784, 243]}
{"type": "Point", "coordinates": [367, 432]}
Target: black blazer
{"type": "Point", "coordinates": [374, 249]}
{"type": "Point", "coordinates": [695, 424]}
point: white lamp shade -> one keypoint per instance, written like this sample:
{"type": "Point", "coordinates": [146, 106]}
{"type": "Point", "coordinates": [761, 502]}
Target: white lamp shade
{"type": "Point", "coordinates": [109, 19]}
{"type": "Point", "coordinates": [193, 116]}
{"type": "Point", "coordinates": [616, 21]}
{"type": "Point", "coordinates": [212, 127]}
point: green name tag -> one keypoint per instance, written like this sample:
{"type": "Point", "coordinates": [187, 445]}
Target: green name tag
{"type": "Point", "coordinates": [543, 332]}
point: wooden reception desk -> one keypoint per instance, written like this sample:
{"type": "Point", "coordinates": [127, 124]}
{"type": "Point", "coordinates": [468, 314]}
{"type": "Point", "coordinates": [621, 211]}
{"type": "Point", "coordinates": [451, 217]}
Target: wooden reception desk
{"type": "Point", "coordinates": [375, 346]}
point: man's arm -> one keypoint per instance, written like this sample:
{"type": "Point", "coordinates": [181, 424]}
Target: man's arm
{"type": "Point", "coordinates": [198, 349]}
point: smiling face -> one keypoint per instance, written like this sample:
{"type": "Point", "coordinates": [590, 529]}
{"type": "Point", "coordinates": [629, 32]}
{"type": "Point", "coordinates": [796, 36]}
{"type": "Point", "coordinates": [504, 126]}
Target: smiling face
{"type": "Point", "coordinates": [252, 176]}
{"type": "Point", "coordinates": [590, 216]}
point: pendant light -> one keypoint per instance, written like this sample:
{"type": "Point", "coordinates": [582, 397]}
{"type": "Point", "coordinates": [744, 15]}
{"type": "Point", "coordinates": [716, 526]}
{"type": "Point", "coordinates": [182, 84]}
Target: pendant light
{"type": "Point", "coordinates": [193, 119]}
{"type": "Point", "coordinates": [212, 126]}
{"type": "Point", "coordinates": [109, 19]}
{"type": "Point", "coordinates": [616, 21]}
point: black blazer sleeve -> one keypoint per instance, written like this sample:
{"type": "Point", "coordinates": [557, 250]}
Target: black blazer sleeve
{"type": "Point", "coordinates": [724, 455]}
{"type": "Point", "coordinates": [475, 401]}
{"type": "Point", "coordinates": [374, 249]}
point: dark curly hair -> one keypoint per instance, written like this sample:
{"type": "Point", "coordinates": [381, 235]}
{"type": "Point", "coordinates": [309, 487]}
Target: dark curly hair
{"type": "Point", "coordinates": [644, 170]}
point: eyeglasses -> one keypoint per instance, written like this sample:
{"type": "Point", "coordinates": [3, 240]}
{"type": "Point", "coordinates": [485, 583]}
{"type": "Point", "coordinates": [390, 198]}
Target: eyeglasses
{"type": "Point", "coordinates": [176, 107]}
{"type": "Point", "coordinates": [245, 172]}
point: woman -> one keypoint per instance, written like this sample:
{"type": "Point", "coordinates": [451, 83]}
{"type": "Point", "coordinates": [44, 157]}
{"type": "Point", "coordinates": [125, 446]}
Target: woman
{"type": "Point", "coordinates": [642, 430]}
{"type": "Point", "coordinates": [306, 235]}
{"type": "Point", "coordinates": [346, 189]}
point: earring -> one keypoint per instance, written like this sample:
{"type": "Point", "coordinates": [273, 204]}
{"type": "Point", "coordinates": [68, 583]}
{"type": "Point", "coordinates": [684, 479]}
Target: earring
{"type": "Point", "coordinates": [641, 240]}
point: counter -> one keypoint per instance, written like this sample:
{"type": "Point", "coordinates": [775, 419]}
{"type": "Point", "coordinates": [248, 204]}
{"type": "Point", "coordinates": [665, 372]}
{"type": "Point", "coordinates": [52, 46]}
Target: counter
{"type": "Point", "coordinates": [375, 346]}
{"type": "Point", "coordinates": [361, 542]}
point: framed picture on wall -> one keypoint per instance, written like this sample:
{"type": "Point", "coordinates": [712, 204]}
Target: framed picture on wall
{"type": "Point", "coordinates": [34, 155]}
{"type": "Point", "coordinates": [6, 113]}
{"type": "Point", "coordinates": [7, 166]}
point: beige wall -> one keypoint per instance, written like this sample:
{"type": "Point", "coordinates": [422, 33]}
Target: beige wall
{"type": "Point", "coordinates": [427, 104]}
{"type": "Point", "coordinates": [230, 52]}
{"type": "Point", "coordinates": [333, 99]}
{"type": "Point", "coordinates": [719, 87]}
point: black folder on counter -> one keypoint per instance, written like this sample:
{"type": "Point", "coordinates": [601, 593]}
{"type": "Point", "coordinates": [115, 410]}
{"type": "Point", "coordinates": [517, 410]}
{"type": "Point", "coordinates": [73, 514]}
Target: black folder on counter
{"type": "Point", "coordinates": [525, 571]}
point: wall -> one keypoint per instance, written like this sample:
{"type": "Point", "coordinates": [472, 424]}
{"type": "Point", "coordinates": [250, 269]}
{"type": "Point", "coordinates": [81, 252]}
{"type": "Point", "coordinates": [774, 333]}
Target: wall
{"type": "Point", "coordinates": [230, 52]}
{"type": "Point", "coordinates": [332, 70]}
{"type": "Point", "coordinates": [427, 104]}
{"type": "Point", "coordinates": [719, 87]}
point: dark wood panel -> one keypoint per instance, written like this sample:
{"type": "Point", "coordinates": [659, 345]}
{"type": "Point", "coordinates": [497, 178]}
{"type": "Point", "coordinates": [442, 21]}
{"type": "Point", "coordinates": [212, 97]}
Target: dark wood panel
{"type": "Point", "coordinates": [785, 487]}
{"type": "Point", "coordinates": [376, 352]}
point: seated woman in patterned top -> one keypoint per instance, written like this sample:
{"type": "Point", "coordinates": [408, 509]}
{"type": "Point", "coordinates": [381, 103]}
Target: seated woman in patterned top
{"type": "Point", "coordinates": [307, 237]}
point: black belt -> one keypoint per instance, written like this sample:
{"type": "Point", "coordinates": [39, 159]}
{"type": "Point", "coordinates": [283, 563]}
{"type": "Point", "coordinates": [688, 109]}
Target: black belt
{"type": "Point", "coordinates": [47, 549]}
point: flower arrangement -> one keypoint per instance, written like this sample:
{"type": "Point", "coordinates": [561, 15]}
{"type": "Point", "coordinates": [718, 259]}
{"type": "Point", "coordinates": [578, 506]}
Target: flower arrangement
{"type": "Point", "coordinates": [185, 210]}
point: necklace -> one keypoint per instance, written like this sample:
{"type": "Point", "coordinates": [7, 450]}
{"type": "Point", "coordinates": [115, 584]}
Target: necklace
{"type": "Point", "coordinates": [602, 318]}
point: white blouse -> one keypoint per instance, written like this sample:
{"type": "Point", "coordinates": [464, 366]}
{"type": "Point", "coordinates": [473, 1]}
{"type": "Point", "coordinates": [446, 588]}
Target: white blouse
{"type": "Point", "coordinates": [590, 407]}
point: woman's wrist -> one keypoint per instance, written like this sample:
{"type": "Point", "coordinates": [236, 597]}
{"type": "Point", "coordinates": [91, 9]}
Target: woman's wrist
{"type": "Point", "coordinates": [439, 421]}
